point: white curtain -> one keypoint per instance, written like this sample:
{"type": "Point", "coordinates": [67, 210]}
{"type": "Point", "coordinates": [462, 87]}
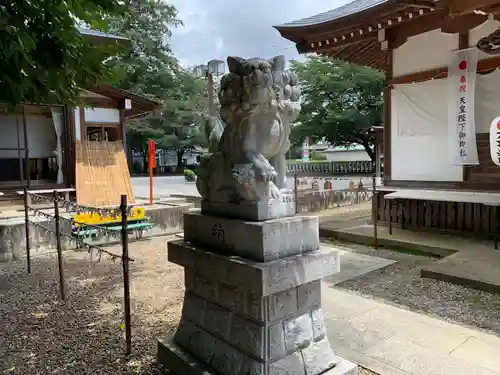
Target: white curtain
{"type": "Point", "coordinates": [57, 118]}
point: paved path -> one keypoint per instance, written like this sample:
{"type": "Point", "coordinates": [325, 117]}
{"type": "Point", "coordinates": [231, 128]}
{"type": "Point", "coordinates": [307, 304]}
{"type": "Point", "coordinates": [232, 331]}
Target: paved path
{"type": "Point", "coordinates": [393, 341]}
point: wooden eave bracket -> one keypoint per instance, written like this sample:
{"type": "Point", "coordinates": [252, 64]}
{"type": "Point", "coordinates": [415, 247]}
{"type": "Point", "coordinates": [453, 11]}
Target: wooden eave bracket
{"type": "Point", "coordinates": [460, 7]}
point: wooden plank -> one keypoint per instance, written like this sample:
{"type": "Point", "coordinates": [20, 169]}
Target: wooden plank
{"type": "Point", "coordinates": [483, 65]}
{"type": "Point", "coordinates": [421, 213]}
{"type": "Point", "coordinates": [468, 216]}
{"type": "Point", "coordinates": [400, 218]}
{"type": "Point", "coordinates": [450, 215]}
{"type": "Point", "coordinates": [102, 174]}
{"type": "Point", "coordinates": [414, 213]}
{"type": "Point", "coordinates": [477, 217]}
{"type": "Point", "coordinates": [442, 215]}
{"type": "Point", "coordinates": [387, 209]}
{"type": "Point", "coordinates": [491, 199]}
{"type": "Point", "coordinates": [381, 206]}
{"type": "Point", "coordinates": [407, 216]}
{"type": "Point", "coordinates": [493, 220]}
{"type": "Point", "coordinates": [428, 214]}
{"type": "Point", "coordinates": [485, 219]}
{"type": "Point", "coordinates": [460, 215]}
{"type": "Point", "coordinates": [434, 213]}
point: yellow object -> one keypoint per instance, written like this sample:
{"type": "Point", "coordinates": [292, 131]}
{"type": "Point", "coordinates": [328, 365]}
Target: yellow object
{"type": "Point", "coordinates": [94, 218]}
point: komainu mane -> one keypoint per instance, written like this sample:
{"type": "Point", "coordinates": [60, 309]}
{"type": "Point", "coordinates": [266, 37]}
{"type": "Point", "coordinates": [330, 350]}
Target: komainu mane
{"type": "Point", "coordinates": [259, 100]}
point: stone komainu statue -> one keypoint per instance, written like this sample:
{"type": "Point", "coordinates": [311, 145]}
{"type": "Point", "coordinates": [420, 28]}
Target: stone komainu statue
{"type": "Point", "coordinates": [259, 101]}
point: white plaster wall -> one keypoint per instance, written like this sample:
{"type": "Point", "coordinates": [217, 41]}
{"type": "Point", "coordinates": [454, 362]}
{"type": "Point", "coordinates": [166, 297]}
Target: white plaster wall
{"type": "Point", "coordinates": [353, 155]}
{"type": "Point", "coordinates": [102, 115]}
{"type": "Point", "coordinates": [432, 49]}
{"type": "Point", "coordinates": [41, 136]}
{"type": "Point", "coordinates": [426, 51]}
{"type": "Point", "coordinates": [419, 127]}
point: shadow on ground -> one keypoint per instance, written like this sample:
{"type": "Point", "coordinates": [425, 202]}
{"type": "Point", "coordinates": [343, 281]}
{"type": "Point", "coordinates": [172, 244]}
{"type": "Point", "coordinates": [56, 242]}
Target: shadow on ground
{"type": "Point", "coordinates": [84, 334]}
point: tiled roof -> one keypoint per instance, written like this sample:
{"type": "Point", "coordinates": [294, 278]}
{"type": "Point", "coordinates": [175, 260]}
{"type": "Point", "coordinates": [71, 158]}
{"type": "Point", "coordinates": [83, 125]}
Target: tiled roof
{"type": "Point", "coordinates": [346, 10]}
{"type": "Point", "coordinates": [99, 34]}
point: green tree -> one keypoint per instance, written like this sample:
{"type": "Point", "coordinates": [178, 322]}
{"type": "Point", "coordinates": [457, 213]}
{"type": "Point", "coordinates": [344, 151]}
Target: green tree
{"type": "Point", "coordinates": [183, 119]}
{"type": "Point", "coordinates": [43, 56]}
{"type": "Point", "coordinates": [340, 102]}
{"type": "Point", "coordinates": [151, 70]}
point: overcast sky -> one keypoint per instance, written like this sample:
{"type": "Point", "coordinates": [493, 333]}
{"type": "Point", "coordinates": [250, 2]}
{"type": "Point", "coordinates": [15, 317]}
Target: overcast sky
{"type": "Point", "coordinates": [215, 29]}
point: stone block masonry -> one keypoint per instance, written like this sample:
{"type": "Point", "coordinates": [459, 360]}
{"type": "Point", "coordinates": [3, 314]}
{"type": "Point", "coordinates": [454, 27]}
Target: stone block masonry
{"type": "Point", "coordinates": [243, 317]}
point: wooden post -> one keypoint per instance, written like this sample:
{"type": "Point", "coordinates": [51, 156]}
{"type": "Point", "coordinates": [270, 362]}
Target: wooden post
{"type": "Point", "coordinates": [26, 146]}
{"type": "Point", "coordinates": [27, 229]}
{"type": "Point", "coordinates": [55, 196]}
{"type": "Point", "coordinates": [126, 278]}
{"type": "Point", "coordinates": [375, 212]}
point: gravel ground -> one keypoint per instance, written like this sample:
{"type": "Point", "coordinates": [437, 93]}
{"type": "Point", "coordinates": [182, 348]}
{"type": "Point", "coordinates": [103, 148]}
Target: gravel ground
{"type": "Point", "coordinates": [84, 334]}
{"type": "Point", "coordinates": [401, 284]}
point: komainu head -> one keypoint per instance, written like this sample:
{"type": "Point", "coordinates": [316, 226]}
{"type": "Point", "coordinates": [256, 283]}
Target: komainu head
{"type": "Point", "coordinates": [258, 85]}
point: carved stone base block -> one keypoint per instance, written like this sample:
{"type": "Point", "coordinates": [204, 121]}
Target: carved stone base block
{"type": "Point", "coordinates": [181, 362]}
{"type": "Point", "coordinates": [257, 211]}
{"type": "Point", "coordinates": [262, 241]}
{"type": "Point", "coordinates": [242, 317]}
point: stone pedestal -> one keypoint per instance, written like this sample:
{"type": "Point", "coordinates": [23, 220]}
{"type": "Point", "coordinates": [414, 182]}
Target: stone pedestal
{"type": "Point", "coordinates": [253, 299]}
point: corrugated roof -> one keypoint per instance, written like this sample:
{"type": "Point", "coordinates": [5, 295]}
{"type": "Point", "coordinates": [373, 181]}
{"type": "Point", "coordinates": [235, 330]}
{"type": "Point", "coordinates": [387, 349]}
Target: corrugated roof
{"type": "Point", "coordinates": [346, 10]}
{"type": "Point", "coordinates": [99, 34]}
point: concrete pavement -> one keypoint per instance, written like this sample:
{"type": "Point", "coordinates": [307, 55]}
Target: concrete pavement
{"type": "Point", "coordinates": [394, 341]}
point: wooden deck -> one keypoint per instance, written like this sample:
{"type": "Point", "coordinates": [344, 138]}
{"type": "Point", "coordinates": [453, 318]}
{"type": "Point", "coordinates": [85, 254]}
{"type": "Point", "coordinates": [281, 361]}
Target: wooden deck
{"type": "Point", "coordinates": [441, 216]}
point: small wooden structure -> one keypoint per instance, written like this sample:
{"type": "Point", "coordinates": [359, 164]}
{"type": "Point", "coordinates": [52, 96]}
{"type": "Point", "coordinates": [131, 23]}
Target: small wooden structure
{"type": "Point", "coordinates": [37, 142]}
{"type": "Point", "coordinates": [413, 41]}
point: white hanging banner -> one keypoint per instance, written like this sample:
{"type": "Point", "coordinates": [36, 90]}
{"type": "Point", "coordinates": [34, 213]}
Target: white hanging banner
{"type": "Point", "coordinates": [461, 119]}
{"type": "Point", "coordinates": [495, 141]}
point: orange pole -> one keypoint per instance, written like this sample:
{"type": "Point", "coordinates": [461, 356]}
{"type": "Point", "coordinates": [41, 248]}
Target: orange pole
{"type": "Point", "coordinates": [150, 182]}
{"type": "Point", "coordinates": [152, 161]}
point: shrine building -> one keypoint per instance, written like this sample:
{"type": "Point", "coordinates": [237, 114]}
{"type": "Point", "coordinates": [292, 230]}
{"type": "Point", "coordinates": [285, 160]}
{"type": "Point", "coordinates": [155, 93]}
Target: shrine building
{"type": "Point", "coordinates": [443, 94]}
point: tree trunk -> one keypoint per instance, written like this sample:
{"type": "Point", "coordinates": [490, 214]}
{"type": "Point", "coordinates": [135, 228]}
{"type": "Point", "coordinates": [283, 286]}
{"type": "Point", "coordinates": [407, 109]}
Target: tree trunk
{"type": "Point", "coordinates": [180, 154]}
{"type": "Point", "coordinates": [145, 161]}
{"type": "Point", "coordinates": [366, 144]}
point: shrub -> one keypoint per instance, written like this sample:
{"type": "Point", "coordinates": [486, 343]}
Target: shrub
{"type": "Point", "coordinates": [189, 175]}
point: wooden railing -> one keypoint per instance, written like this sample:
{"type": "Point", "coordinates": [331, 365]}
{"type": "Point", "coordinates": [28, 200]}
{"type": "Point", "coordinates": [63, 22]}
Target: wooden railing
{"type": "Point", "coordinates": [331, 168]}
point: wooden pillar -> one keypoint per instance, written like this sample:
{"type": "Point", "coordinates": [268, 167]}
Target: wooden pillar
{"type": "Point", "coordinates": [68, 146]}
{"type": "Point", "coordinates": [83, 127]}
{"type": "Point", "coordinates": [378, 154]}
{"type": "Point", "coordinates": [387, 120]}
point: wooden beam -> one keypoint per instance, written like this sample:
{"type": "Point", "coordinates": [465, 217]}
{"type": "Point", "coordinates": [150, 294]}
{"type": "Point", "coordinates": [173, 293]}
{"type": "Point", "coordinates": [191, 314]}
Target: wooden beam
{"type": "Point", "coordinates": [460, 7]}
{"type": "Point", "coordinates": [482, 66]}
{"type": "Point", "coordinates": [326, 45]}
{"type": "Point", "coordinates": [398, 35]}
{"type": "Point", "coordinates": [420, 4]}
{"type": "Point", "coordinates": [331, 39]}
{"type": "Point", "coordinates": [454, 25]}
